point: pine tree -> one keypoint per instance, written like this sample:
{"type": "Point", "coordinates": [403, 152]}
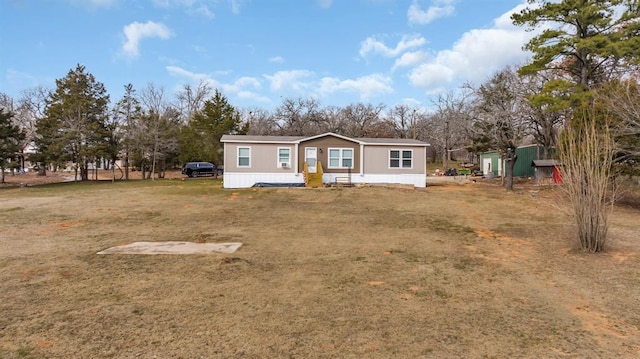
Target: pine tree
{"type": "Point", "coordinates": [10, 138]}
{"type": "Point", "coordinates": [74, 128]}
{"type": "Point", "coordinates": [200, 140]}
{"type": "Point", "coordinates": [586, 42]}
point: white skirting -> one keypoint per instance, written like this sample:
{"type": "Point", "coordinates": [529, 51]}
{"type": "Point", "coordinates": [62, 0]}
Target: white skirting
{"type": "Point", "coordinates": [417, 180]}
{"type": "Point", "coordinates": [246, 180]}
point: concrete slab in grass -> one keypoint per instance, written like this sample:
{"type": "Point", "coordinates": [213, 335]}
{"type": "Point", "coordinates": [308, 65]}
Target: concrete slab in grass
{"type": "Point", "coordinates": [172, 248]}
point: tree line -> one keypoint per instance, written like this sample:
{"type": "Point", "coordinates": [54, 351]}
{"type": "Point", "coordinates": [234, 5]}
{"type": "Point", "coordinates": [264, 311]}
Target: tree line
{"type": "Point", "coordinates": [580, 86]}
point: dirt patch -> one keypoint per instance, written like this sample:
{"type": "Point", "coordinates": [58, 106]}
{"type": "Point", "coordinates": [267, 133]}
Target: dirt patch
{"type": "Point", "coordinates": [32, 178]}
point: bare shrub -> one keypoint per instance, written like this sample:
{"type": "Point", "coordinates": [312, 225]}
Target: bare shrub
{"type": "Point", "coordinates": [586, 152]}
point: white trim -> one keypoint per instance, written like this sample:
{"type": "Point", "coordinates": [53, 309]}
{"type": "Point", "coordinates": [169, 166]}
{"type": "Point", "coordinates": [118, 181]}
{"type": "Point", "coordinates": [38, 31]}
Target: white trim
{"type": "Point", "coordinates": [279, 162]}
{"type": "Point", "coordinates": [329, 134]}
{"type": "Point", "coordinates": [400, 159]}
{"type": "Point", "coordinates": [238, 156]}
{"type": "Point", "coordinates": [361, 159]}
{"type": "Point", "coordinates": [295, 164]}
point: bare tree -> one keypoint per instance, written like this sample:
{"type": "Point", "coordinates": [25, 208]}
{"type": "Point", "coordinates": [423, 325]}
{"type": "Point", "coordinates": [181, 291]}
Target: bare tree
{"type": "Point", "coordinates": [261, 122]}
{"type": "Point", "coordinates": [498, 112]}
{"type": "Point", "coordinates": [299, 117]}
{"type": "Point", "coordinates": [191, 99]}
{"type": "Point", "coordinates": [622, 101]}
{"type": "Point", "coordinates": [448, 125]}
{"type": "Point", "coordinates": [126, 114]}
{"type": "Point", "coordinates": [27, 110]}
{"type": "Point", "coordinates": [403, 119]}
{"type": "Point", "coordinates": [158, 128]}
{"type": "Point", "coordinates": [335, 120]}
{"type": "Point", "coordinates": [360, 118]}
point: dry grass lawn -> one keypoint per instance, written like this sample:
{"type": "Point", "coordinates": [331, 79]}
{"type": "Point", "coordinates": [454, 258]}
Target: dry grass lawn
{"type": "Point", "coordinates": [456, 271]}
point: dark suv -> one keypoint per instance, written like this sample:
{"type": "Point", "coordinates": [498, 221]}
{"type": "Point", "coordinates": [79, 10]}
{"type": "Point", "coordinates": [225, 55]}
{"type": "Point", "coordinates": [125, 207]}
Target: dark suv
{"type": "Point", "coordinates": [195, 169]}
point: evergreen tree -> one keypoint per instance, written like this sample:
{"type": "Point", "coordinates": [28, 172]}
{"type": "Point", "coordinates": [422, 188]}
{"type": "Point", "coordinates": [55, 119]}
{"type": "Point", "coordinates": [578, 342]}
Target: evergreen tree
{"type": "Point", "coordinates": [587, 42]}
{"type": "Point", "coordinates": [74, 127]}
{"type": "Point", "coordinates": [10, 138]}
{"type": "Point", "coordinates": [200, 139]}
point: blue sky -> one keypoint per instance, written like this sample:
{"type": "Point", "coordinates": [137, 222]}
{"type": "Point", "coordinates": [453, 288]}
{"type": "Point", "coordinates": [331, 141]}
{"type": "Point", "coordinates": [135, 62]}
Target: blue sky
{"type": "Point", "coordinates": [258, 52]}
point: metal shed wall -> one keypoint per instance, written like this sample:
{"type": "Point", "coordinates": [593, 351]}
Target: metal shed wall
{"type": "Point", "coordinates": [496, 162]}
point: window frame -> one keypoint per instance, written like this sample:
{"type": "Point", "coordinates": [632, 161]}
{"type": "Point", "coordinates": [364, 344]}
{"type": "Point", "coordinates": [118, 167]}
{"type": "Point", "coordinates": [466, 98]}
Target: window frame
{"type": "Point", "coordinates": [238, 156]}
{"type": "Point", "coordinates": [400, 159]}
{"type": "Point", "coordinates": [279, 163]}
{"type": "Point", "coordinates": [341, 157]}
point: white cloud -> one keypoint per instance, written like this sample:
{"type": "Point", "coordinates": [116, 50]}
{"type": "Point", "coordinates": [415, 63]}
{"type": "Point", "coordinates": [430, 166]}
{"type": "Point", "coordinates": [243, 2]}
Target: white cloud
{"type": "Point", "coordinates": [277, 59]}
{"type": "Point", "coordinates": [409, 59]}
{"type": "Point", "coordinates": [289, 80]}
{"type": "Point", "coordinates": [170, 3]}
{"type": "Point", "coordinates": [205, 11]}
{"type": "Point", "coordinates": [367, 86]}
{"type": "Point", "coordinates": [195, 7]}
{"type": "Point", "coordinates": [475, 56]}
{"type": "Point", "coordinates": [325, 4]}
{"type": "Point", "coordinates": [235, 7]}
{"type": "Point", "coordinates": [136, 32]}
{"type": "Point", "coordinates": [180, 72]}
{"type": "Point", "coordinates": [372, 45]}
{"type": "Point", "coordinates": [293, 82]}
{"type": "Point", "coordinates": [248, 95]}
{"type": "Point", "coordinates": [439, 9]}
{"type": "Point", "coordinates": [242, 83]}
{"type": "Point", "coordinates": [241, 87]}
{"type": "Point", "coordinates": [93, 4]}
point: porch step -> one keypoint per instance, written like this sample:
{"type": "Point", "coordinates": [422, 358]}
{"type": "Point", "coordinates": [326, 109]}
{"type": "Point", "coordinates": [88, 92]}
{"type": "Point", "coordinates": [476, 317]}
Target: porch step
{"type": "Point", "coordinates": [313, 180]}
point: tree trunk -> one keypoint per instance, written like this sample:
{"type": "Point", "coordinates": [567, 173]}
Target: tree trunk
{"type": "Point", "coordinates": [445, 163]}
{"type": "Point", "coordinates": [1, 174]}
{"type": "Point", "coordinates": [126, 165]}
{"type": "Point", "coordinates": [42, 169]}
{"type": "Point", "coordinates": [511, 162]}
{"type": "Point", "coordinates": [84, 171]}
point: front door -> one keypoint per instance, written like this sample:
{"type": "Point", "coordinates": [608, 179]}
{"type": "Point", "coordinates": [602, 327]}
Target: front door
{"type": "Point", "coordinates": [486, 166]}
{"type": "Point", "coordinates": [311, 157]}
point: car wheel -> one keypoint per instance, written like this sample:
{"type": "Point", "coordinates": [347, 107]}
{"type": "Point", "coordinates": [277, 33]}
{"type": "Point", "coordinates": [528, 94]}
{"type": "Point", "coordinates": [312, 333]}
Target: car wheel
{"type": "Point", "coordinates": [194, 174]}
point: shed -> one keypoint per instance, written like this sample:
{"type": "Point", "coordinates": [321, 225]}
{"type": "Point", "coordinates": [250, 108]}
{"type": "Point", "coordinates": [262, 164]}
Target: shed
{"type": "Point", "coordinates": [547, 171]}
{"type": "Point", "coordinates": [493, 163]}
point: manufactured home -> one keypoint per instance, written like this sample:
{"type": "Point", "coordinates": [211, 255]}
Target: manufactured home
{"type": "Point", "coordinates": [320, 160]}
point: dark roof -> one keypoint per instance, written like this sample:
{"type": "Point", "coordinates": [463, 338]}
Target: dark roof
{"type": "Point", "coordinates": [545, 163]}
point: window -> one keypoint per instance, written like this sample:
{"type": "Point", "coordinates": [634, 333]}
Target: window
{"type": "Point", "coordinates": [401, 158]}
{"type": "Point", "coordinates": [340, 158]}
{"type": "Point", "coordinates": [244, 156]}
{"type": "Point", "coordinates": [284, 157]}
